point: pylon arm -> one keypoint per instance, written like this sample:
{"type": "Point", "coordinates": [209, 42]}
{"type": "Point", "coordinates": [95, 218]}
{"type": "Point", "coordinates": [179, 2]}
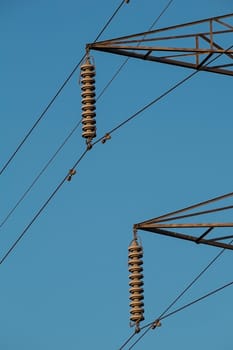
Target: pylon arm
{"type": "Point", "coordinates": [178, 223]}
{"type": "Point", "coordinates": [198, 240]}
{"type": "Point", "coordinates": [199, 49]}
{"type": "Point", "coordinates": [187, 225]}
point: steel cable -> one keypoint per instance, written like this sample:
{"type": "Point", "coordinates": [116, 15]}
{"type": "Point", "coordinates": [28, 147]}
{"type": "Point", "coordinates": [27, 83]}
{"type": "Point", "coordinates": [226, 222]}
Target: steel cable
{"type": "Point", "coordinates": [40, 210]}
{"type": "Point", "coordinates": [57, 94]}
{"type": "Point", "coordinates": [110, 132]}
{"type": "Point", "coordinates": [63, 143]}
{"type": "Point", "coordinates": [152, 324]}
{"type": "Point", "coordinates": [128, 58]}
{"type": "Point", "coordinates": [190, 207]}
{"type": "Point", "coordinates": [39, 175]}
{"type": "Point", "coordinates": [76, 126]}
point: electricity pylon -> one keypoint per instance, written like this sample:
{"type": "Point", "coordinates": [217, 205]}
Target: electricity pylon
{"type": "Point", "coordinates": [197, 45]}
{"type": "Point", "coordinates": [203, 45]}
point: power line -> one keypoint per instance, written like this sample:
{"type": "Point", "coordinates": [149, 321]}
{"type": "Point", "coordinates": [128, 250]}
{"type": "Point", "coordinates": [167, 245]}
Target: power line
{"type": "Point", "coordinates": [215, 291]}
{"type": "Point", "coordinates": [78, 161]}
{"type": "Point", "coordinates": [45, 167]}
{"type": "Point", "coordinates": [157, 99]}
{"type": "Point", "coordinates": [40, 210]}
{"type": "Point", "coordinates": [40, 117]}
{"type": "Point", "coordinates": [127, 341]}
{"type": "Point", "coordinates": [175, 300]}
{"type": "Point", "coordinates": [39, 175]}
{"type": "Point", "coordinates": [53, 194]}
{"type": "Point", "coordinates": [210, 211]}
{"type": "Point", "coordinates": [172, 88]}
{"type": "Point", "coordinates": [110, 20]}
{"type": "Point", "coordinates": [190, 207]}
{"type": "Point", "coordinates": [110, 132]}
{"type": "Point", "coordinates": [153, 101]}
{"type": "Point", "coordinates": [160, 15]}
{"type": "Point", "coordinates": [128, 58]}
{"type": "Point", "coordinates": [62, 144]}
{"type": "Point", "coordinates": [164, 313]}
{"type": "Point", "coordinates": [152, 325]}
{"type": "Point", "coordinates": [57, 94]}
{"type": "Point", "coordinates": [99, 140]}
{"type": "Point", "coordinates": [76, 126]}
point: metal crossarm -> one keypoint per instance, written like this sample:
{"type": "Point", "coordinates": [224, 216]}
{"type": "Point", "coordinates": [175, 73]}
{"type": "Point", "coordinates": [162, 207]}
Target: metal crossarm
{"type": "Point", "coordinates": [194, 45]}
{"type": "Point", "coordinates": [212, 242]}
{"type": "Point", "coordinates": [172, 224]}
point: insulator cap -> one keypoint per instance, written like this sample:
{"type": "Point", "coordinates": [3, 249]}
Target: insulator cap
{"type": "Point", "coordinates": [135, 282]}
{"type": "Point", "coordinates": [88, 100]}
{"type": "Point", "coordinates": [88, 93]}
{"type": "Point", "coordinates": [137, 303]}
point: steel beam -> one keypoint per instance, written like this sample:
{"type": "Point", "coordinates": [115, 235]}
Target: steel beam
{"type": "Point", "coordinates": [185, 237]}
{"type": "Point", "coordinates": [141, 45]}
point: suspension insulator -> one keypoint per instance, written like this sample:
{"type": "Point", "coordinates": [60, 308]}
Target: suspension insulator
{"type": "Point", "coordinates": [88, 101]}
{"type": "Point", "coordinates": [136, 291]}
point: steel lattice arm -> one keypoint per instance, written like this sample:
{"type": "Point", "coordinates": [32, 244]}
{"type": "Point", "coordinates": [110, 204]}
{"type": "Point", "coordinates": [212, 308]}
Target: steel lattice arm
{"type": "Point", "coordinates": [191, 45]}
{"type": "Point", "coordinates": [168, 224]}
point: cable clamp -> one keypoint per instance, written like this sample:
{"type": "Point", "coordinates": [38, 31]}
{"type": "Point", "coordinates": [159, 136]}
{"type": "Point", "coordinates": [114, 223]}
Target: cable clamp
{"type": "Point", "coordinates": [135, 233]}
{"type": "Point", "coordinates": [89, 145]}
{"type": "Point", "coordinates": [71, 173]}
{"type": "Point", "coordinates": [137, 328]}
{"type": "Point", "coordinates": [106, 137]}
{"type": "Point", "coordinates": [156, 324]}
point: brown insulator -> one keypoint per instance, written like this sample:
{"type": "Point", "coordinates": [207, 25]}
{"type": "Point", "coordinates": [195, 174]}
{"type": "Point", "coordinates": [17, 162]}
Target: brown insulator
{"type": "Point", "coordinates": [88, 100]}
{"type": "Point", "coordinates": [136, 282]}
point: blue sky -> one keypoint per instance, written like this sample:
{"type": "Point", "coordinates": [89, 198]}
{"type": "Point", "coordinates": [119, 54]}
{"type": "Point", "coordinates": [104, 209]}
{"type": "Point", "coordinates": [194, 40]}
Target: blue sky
{"type": "Point", "coordinates": [66, 284]}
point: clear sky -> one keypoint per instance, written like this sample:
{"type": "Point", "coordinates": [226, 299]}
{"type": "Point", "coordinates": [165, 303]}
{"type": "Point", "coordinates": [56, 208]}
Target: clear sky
{"type": "Point", "coordinates": [65, 285]}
